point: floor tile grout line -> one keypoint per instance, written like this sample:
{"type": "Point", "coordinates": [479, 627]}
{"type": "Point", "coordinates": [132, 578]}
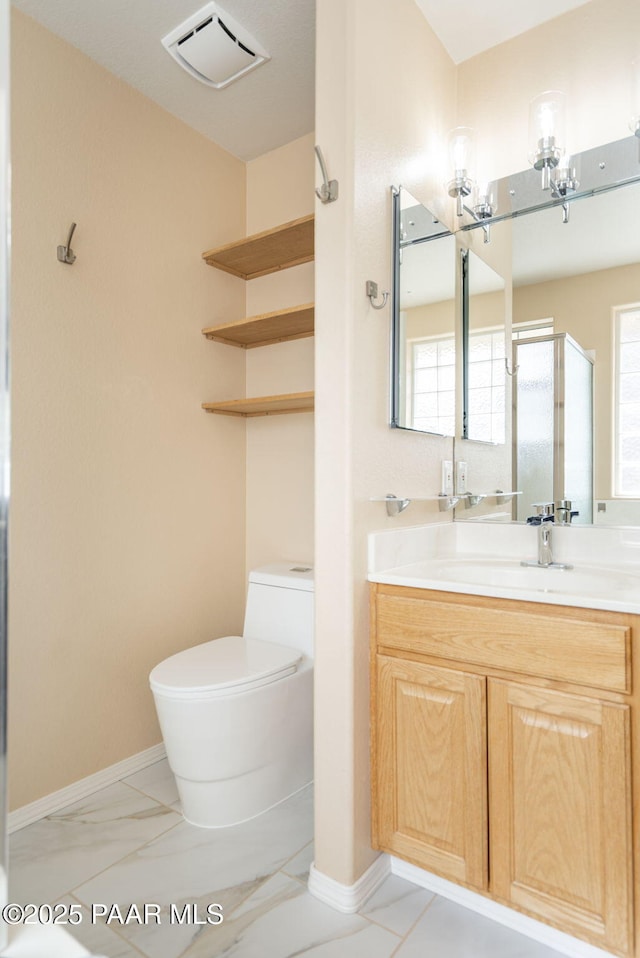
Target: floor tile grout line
{"type": "Point", "coordinates": [153, 798]}
{"type": "Point", "coordinates": [120, 937]}
{"type": "Point", "coordinates": [132, 851]}
{"type": "Point", "coordinates": [139, 847]}
{"type": "Point", "coordinates": [406, 936]}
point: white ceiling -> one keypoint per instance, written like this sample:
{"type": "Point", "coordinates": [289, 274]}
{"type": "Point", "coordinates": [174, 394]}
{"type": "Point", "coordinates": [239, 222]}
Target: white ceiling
{"type": "Point", "coordinates": [273, 104]}
{"type": "Point", "coordinates": [468, 27]}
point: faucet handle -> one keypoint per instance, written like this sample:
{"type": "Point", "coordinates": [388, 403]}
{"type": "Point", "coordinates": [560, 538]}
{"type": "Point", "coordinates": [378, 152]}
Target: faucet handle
{"type": "Point", "coordinates": [543, 509]}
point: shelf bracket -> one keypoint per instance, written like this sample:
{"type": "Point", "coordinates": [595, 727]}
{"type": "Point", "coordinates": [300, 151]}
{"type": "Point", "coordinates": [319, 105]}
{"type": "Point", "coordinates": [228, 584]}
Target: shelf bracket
{"type": "Point", "coordinates": [395, 506]}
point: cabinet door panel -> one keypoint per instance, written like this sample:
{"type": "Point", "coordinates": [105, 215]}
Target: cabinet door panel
{"type": "Point", "coordinates": [560, 804]}
{"type": "Point", "coordinates": [430, 768]}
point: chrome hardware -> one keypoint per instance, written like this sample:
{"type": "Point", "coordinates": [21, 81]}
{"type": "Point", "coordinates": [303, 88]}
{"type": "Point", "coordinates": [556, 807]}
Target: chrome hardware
{"type": "Point", "coordinates": [65, 253]}
{"type": "Point", "coordinates": [372, 292]}
{"type": "Point", "coordinates": [544, 519]}
{"type": "Point", "coordinates": [328, 192]}
{"type": "Point", "coordinates": [395, 506]}
{"type": "Point", "coordinates": [544, 509]}
{"type": "Point", "coordinates": [564, 513]}
{"type": "Point", "coordinates": [472, 500]}
{"type": "Point", "coordinates": [446, 503]}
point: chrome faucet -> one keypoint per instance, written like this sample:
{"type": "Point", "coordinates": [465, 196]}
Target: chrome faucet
{"type": "Point", "coordinates": [544, 519]}
{"type": "Point", "coordinates": [564, 514]}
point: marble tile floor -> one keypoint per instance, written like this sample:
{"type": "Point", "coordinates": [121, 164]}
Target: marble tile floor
{"type": "Point", "coordinates": [128, 843]}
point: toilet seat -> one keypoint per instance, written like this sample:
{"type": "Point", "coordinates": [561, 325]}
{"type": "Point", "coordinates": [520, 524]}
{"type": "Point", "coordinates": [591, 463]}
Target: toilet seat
{"type": "Point", "coordinates": [223, 666]}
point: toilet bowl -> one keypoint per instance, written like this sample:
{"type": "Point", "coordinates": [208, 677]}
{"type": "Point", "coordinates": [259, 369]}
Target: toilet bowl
{"type": "Point", "coordinates": [236, 713]}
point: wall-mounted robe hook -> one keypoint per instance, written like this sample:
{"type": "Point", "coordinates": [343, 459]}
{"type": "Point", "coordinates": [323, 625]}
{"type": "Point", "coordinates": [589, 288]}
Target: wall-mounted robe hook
{"type": "Point", "coordinates": [328, 192]}
{"type": "Point", "coordinates": [510, 372]}
{"type": "Point", "coordinates": [65, 253]}
{"type": "Point", "coordinates": [372, 293]}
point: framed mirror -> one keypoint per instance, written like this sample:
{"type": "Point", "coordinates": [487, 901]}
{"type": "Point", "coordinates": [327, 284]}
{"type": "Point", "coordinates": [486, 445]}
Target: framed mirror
{"type": "Point", "coordinates": [575, 288]}
{"type": "Point", "coordinates": [484, 350]}
{"type": "Point", "coordinates": [423, 395]}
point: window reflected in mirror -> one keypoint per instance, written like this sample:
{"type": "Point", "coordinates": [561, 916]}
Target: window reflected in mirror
{"type": "Point", "coordinates": [424, 396]}
{"type": "Point", "coordinates": [484, 350]}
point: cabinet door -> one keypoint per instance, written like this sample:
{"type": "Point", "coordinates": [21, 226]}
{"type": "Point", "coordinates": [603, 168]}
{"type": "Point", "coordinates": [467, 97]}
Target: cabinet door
{"type": "Point", "coordinates": [560, 810]}
{"type": "Point", "coordinates": [429, 775]}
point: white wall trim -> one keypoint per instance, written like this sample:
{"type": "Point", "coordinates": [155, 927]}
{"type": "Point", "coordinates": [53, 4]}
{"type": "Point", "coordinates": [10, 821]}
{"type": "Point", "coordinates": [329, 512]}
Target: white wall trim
{"type": "Point", "coordinates": [53, 802]}
{"type": "Point", "coordinates": [563, 943]}
{"type": "Point", "coordinates": [348, 898]}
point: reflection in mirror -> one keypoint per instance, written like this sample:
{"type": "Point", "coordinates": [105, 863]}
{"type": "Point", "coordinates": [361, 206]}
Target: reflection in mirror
{"type": "Point", "coordinates": [424, 354]}
{"type": "Point", "coordinates": [484, 350]}
{"type": "Point", "coordinates": [553, 425]}
{"type": "Point", "coordinates": [580, 282]}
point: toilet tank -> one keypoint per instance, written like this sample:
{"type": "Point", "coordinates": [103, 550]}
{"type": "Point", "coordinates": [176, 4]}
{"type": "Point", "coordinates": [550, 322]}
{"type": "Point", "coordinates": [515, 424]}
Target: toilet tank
{"type": "Point", "coordinates": [280, 605]}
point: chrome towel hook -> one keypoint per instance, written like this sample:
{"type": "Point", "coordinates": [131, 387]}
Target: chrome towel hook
{"type": "Point", "coordinates": [328, 192]}
{"type": "Point", "coordinates": [65, 253]}
{"type": "Point", "coordinates": [372, 293]}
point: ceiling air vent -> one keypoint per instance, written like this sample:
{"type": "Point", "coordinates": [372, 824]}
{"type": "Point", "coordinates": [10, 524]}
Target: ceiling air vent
{"type": "Point", "coordinates": [214, 48]}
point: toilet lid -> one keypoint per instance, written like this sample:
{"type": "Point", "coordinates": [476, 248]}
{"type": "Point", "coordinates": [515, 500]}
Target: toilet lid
{"type": "Point", "coordinates": [223, 665]}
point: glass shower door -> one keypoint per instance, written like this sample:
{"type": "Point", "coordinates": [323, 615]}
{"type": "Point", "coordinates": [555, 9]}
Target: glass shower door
{"type": "Point", "coordinates": [553, 437]}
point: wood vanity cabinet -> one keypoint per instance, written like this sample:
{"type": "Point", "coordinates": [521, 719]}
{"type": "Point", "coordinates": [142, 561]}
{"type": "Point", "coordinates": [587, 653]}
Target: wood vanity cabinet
{"type": "Point", "coordinates": [502, 752]}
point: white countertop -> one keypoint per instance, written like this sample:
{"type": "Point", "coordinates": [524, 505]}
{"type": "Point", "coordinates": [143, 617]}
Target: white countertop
{"type": "Point", "coordinates": [481, 559]}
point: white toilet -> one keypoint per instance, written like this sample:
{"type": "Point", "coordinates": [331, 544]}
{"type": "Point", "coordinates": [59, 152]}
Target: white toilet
{"type": "Point", "coordinates": [236, 713]}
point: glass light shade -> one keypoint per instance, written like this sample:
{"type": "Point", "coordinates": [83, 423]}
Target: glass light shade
{"type": "Point", "coordinates": [485, 200]}
{"type": "Point", "coordinates": [634, 113]}
{"type": "Point", "coordinates": [547, 128]}
{"type": "Point", "coordinates": [462, 145]}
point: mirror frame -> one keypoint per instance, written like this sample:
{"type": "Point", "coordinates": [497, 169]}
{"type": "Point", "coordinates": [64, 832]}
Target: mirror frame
{"type": "Point", "coordinates": [601, 169]}
{"type": "Point", "coordinates": [397, 245]}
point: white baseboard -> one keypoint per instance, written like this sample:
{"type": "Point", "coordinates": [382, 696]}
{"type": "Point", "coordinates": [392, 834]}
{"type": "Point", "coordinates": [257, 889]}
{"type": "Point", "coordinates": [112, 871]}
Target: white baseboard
{"type": "Point", "coordinates": [565, 944]}
{"type": "Point", "coordinates": [42, 807]}
{"type": "Point", "coordinates": [348, 898]}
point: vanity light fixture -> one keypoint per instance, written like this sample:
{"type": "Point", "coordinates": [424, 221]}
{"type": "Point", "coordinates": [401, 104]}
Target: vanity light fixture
{"type": "Point", "coordinates": [547, 133]}
{"type": "Point", "coordinates": [461, 161]}
{"type": "Point", "coordinates": [564, 182]}
{"type": "Point", "coordinates": [484, 201]}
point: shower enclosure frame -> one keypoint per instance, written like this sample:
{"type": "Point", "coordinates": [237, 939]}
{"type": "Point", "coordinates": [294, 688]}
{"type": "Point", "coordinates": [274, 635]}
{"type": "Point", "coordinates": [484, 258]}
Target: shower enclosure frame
{"type": "Point", "coordinates": [5, 221]}
{"type": "Point", "coordinates": [559, 341]}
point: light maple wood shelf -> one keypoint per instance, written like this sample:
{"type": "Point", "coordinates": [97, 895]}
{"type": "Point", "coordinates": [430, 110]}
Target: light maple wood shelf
{"type": "Point", "coordinates": [263, 405]}
{"type": "Point", "coordinates": [267, 328]}
{"type": "Point", "coordinates": [288, 245]}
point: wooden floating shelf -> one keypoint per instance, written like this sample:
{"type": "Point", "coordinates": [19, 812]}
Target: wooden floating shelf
{"type": "Point", "coordinates": [263, 406]}
{"type": "Point", "coordinates": [263, 253]}
{"type": "Point", "coordinates": [265, 329]}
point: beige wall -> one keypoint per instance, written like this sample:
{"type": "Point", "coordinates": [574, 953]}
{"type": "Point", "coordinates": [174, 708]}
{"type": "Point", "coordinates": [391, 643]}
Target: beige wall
{"type": "Point", "coordinates": [385, 93]}
{"type": "Point", "coordinates": [128, 502]}
{"type": "Point", "coordinates": [586, 53]}
{"type": "Point", "coordinates": [280, 187]}
{"type": "Point", "coordinates": [582, 306]}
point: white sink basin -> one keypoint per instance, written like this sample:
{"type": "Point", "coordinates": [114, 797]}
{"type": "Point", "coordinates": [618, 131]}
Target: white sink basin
{"type": "Point", "coordinates": [596, 587]}
{"type": "Point", "coordinates": [510, 574]}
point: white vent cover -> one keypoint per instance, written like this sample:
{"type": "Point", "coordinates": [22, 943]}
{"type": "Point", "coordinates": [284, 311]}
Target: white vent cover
{"type": "Point", "coordinates": [214, 48]}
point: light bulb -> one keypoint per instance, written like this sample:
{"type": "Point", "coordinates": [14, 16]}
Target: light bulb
{"type": "Point", "coordinates": [462, 150]}
{"type": "Point", "coordinates": [547, 128]}
{"type": "Point", "coordinates": [461, 164]}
